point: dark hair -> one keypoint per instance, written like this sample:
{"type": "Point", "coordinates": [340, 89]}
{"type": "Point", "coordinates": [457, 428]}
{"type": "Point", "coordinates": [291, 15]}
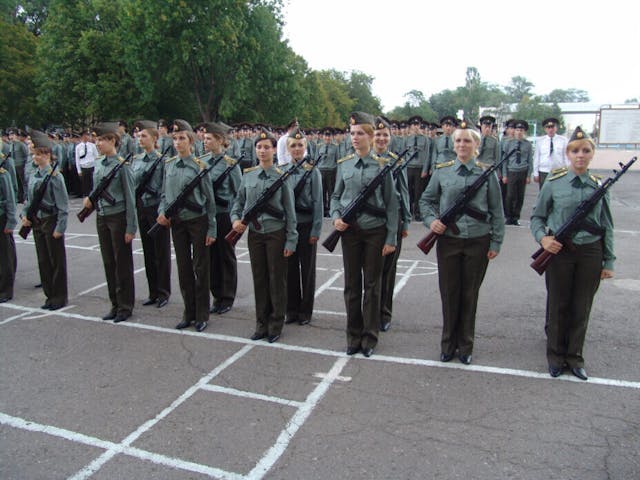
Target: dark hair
{"type": "Point", "coordinates": [111, 136]}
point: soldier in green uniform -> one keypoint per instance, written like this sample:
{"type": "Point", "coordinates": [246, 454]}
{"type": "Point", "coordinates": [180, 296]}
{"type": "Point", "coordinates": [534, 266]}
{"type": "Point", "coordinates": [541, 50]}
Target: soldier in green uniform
{"type": "Point", "coordinates": [127, 145]}
{"type": "Point", "coordinates": [48, 230]}
{"type": "Point", "coordinates": [7, 244]}
{"type": "Point", "coordinates": [116, 224]}
{"type": "Point", "coordinates": [573, 276]}
{"type": "Point", "coordinates": [489, 153]}
{"type": "Point", "coordinates": [226, 174]}
{"type": "Point", "coordinates": [19, 155]}
{"type": "Point", "coordinates": [269, 246]}
{"type": "Point", "coordinates": [157, 249]}
{"type": "Point", "coordinates": [165, 141]}
{"type": "Point", "coordinates": [516, 172]}
{"type": "Point", "coordinates": [301, 276]}
{"type": "Point", "coordinates": [327, 151]}
{"type": "Point", "coordinates": [7, 163]}
{"type": "Point", "coordinates": [193, 229]}
{"type": "Point", "coordinates": [443, 146]}
{"type": "Point", "coordinates": [247, 157]}
{"type": "Point", "coordinates": [418, 143]}
{"type": "Point", "coordinates": [366, 242]}
{"type": "Point", "coordinates": [381, 142]}
{"type": "Point", "coordinates": [462, 257]}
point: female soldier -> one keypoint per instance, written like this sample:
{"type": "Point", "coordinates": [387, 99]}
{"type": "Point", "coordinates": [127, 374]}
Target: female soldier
{"type": "Point", "coordinates": [7, 244]}
{"type": "Point", "coordinates": [116, 224]}
{"type": "Point", "coordinates": [381, 141]}
{"type": "Point", "coordinates": [462, 257]}
{"type": "Point", "coordinates": [573, 277]}
{"type": "Point", "coordinates": [157, 249]}
{"type": "Point", "coordinates": [48, 230]}
{"type": "Point", "coordinates": [269, 246]}
{"type": "Point", "coordinates": [365, 243]}
{"type": "Point", "coordinates": [223, 263]}
{"type": "Point", "coordinates": [301, 275]}
{"type": "Point", "coordinates": [193, 229]}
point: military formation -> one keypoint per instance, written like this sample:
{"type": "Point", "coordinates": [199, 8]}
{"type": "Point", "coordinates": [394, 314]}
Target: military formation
{"type": "Point", "coordinates": [203, 187]}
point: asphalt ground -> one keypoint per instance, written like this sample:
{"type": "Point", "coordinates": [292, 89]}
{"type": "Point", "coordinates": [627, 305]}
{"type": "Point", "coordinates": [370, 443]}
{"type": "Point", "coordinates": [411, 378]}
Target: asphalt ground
{"type": "Point", "coordinates": [85, 398]}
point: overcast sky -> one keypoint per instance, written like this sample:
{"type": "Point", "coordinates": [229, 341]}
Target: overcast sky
{"type": "Point", "coordinates": [427, 46]}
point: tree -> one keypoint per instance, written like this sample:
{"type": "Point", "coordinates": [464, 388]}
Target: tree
{"type": "Point", "coordinates": [518, 89]}
{"type": "Point", "coordinates": [31, 13]}
{"type": "Point", "coordinates": [329, 95]}
{"type": "Point", "coordinates": [360, 92]}
{"type": "Point", "coordinates": [534, 111]}
{"type": "Point", "coordinates": [415, 104]}
{"type": "Point", "coordinates": [571, 95]}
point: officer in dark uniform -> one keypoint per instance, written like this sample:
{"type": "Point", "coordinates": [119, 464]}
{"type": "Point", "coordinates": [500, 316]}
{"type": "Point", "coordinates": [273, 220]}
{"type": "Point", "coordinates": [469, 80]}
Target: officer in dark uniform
{"type": "Point", "coordinates": [366, 242]}
{"type": "Point", "coordinates": [516, 171]}
{"type": "Point", "coordinates": [7, 243]}
{"type": "Point", "coordinates": [573, 276]}
{"type": "Point", "coordinates": [269, 246]}
{"type": "Point", "coordinates": [157, 249]}
{"type": "Point", "coordinates": [48, 230]}
{"type": "Point", "coordinates": [226, 177]}
{"type": "Point", "coordinates": [193, 229]}
{"type": "Point", "coordinates": [116, 224]}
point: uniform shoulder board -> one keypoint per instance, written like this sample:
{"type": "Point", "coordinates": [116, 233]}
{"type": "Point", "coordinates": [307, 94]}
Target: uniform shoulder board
{"type": "Point", "coordinates": [250, 169]}
{"type": "Point", "coordinates": [307, 166]}
{"type": "Point", "coordinates": [348, 157]}
{"type": "Point", "coordinates": [381, 160]}
{"type": "Point", "coordinates": [52, 172]}
{"type": "Point", "coordinates": [278, 171]}
{"type": "Point", "coordinates": [482, 165]}
{"type": "Point", "coordinates": [204, 156]}
{"type": "Point", "coordinates": [200, 163]}
{"type": "Point", "coordinates": [158, 153]}
{"type": "Point", "coordinates": [445, 164]}
{"type": "Point", "coordinates": [393, 155]}
{"type": "Point", "coordinates": [555, 171]}
{"type": "Point", "coordinates": [1, 155]}
{"type": "Point", "coordinates": [171, 159]}
{"type": "Point", "coordinates": [230, 160]}
{"type": "Point", "coordinates": [101, 157]}
{"type": "Point", "coordinates": [2, 170]}
{"type": "Point", "coordinates": [596, 178]}
{"type": "Point", "coordinates": [561, 173]}
{"type": "Point", "coordinates": [122, 160]}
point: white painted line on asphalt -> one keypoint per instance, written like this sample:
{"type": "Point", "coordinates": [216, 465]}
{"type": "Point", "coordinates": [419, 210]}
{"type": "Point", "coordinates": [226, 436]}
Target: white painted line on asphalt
{"type": "Point", "coordinates": [46, 313]}
{"type": "Point", "coordinates": [97, 464]}
{"type": "Point", "coordinates": [330, 312]}
{"type": "Point", "coordinates": [15, 317]}
{"type": "Point", "coordinates": [156, 458]}
{"type": "Point", "coordinates": [252, 395]}
{"type": "Point", "coordinates": [405, 278]}
{"type": "Point", "coordinates": [333, 353]}
{"type": "Point", "coordinates": [97, 287]}
{"type": "Point", "coordinates": [328, 283]}
{"type": "Point", "coordinates": [272, 455]}
{"type": "Point", "coordinates": [339, 378]}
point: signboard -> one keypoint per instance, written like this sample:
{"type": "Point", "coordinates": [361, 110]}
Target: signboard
{"type": "Point", "coordinates": [619, 125]}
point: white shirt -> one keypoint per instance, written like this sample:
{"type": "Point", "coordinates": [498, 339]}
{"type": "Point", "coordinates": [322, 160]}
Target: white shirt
{"type": "Point", "coordinates": [543, 161]}
{"type": "Point", "coordinates": [284, 156]}
{"type": "Point", "coordinates": [86, 154]}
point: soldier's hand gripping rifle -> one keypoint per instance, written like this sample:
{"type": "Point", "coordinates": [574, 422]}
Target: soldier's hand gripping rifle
{"type": "Point", "coordinates": [577, 220]}
{"type": "Point", "coordinates": [36, 203]}
{"type": "Point", "coordinates": [100, 191]}
{"type": "Point", "coordinates": [460, 206]}
{"type": "Point", "coordinates": [143, 187]}
{"type": "Point", "coordinates": [358, 204]}
{"type": "Point", "coordinates": [262, 205]}
{"type": "Point", "coordinates": [182, 201]}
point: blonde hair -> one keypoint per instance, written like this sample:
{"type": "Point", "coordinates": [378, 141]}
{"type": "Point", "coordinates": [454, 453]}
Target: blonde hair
{"type": "Point", "coordinates": [580, 141]}
{"type": "Point", "coordinates": [290, 141]}
{"type": "Point", "coordinates": [475, 136]}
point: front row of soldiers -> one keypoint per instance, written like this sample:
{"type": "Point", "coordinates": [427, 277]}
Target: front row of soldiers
{"type": "Point", "coordinates": [208, 205]}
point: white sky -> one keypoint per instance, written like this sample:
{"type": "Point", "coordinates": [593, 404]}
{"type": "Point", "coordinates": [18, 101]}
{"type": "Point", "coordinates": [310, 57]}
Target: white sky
{"type": "Point", "coordinates": [427, 46]}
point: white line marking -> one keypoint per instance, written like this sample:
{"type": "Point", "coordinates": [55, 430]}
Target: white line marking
{"type": "Point", "coordinates": [328, 283]}
{"type": "Point", "coordinates": [330, 312]}
{"type": "Point", "coordinates": [46, 313]}
{"type": "Point", "coordinates": [15, 317]}
{"type": "Point", "coordinates": [334, 353]}
{"type": "Point", "coordinates": [339, 378]}
{"type": "Point", "coordinates": [252, 395]}
{"type": "Point", "coordinates": [275, 452]}
{"type": "Point", "coordinates": [97, 287]}
{"type": "Point", "coordinates": [405, 278]}
{"type": "Point", "coordinates": [97, 464]}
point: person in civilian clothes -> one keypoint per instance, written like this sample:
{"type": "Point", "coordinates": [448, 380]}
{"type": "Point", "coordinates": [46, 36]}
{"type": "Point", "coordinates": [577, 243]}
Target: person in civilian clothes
{"type": "Point", "coordinates": [116, 224]}
{"type": "Point", "coordinates": [573, 276]}
{"type": "Point", "coordinates": [463, 257]}
{"type": "Point", "coordinates": [273, 243]}
{"type": "Point", "coordinates": [366, 242]}
{"type": "Point", "coordinates": [550, 152]}
{"type": "Point", "coordinates": [48, 230]}
{"type": "Point", "coordinates": [193, 229]}
{"type": "Point", "coordinates": [301, 276]}
{"type": "Point", "coordinates": [157, 249]}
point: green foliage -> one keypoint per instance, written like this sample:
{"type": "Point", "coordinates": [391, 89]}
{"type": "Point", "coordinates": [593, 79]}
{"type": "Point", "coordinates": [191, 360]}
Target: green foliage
{"type": "Point", "coordinates": [518, 89]}
{"type": "Point", "coordinates": [359, 85]}
{"type": "Point", "coordinates": [534, 111]}
{"type": "Point", "coordinates": [415, 104]}
{"type": "Point", "coordinates": [566, 96]}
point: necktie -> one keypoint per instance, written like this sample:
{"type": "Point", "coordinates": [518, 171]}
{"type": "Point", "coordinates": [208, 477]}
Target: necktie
{"type": "Point", "coordinates": [551, 146]}
{"type": "Point", "coordinates": [518, 154]}
{"type": "Point", "coordinates": [482, 145]}
{"type": "Point", "coordinates": [446, 142]}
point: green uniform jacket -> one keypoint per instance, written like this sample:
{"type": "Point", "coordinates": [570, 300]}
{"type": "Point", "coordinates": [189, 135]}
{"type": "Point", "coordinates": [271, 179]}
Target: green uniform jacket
{"type": "Point", "coordinates": [353, 174]}
{"type": "Point", "coordinates": [226, 192]}
{"type": "Point", "coordinates": [141, 164]}
{"type": "Point", "coordinates": [448, 181]}
{"type": "Point", "coordinates": [55, 200]}
{"type": "Point", "coordinates": [421, 144]}
{"type": "Point", "coordinates": [9, 166]}
{"type": "Point", "coordinates": [519, 161]}
{"type": "Point", "coordinates": [121, 188]}
{"type": "Point", "coordinates": [489, 151]}
{"type": "Point", "coordinates": [254, 181]}
{"type": "Point", "coordinates": [558, 199]}
{"type": "Point", "coordinates": [177, 174]}
{"type": "Point", "coordinates": [442, 150]}
{"type": "Point", "coordinates": [330, 156]}
{"type": "Point", "coordinates": [7, 200]}
{"type": "Point", "coordinates": [308, 204]}
{"type": "Point", "coordinates": [402, 189]}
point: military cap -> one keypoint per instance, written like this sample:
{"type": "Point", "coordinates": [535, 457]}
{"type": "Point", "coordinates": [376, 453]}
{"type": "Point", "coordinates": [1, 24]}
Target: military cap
{"type": "Point", "coordinates": [550, 122]}
{"type": "Point", "coordinates": [163, 123]}
{"type": "Point", "coordinates": [297, 134]}
{"type": "Point", "coordinates": [105, 128]}
{"type": "Point", "coordinates": [403, 124]}
{"type": "Point", "coordinates": [521, 124]}
{"type": "Point", "coordinates": [579, 134]}
{"type": "Point", "coordinates": [327, 131]}
{"type": "Point", "coordinates": [449, 119]}
{"type": "Point", "coordinates": [432, 125]}
{"type": "Point", "coordinates": [360, 118]}
{"type": "Point", "coordinates": [181, 126]}
{"type": "Point", "coordinates": [465, 125]}
{"type": "Point", "coordinates": [226, 127]}
{"type": "Point", "coordinates": [381, 123]}
{"type": "Point", "coordinates": [265, 135]}
{"type": "Point", "coordinates": [122, 123]}
{"type": "Point", "coordinates": [292, 123]}
{"type": "Point", "coordinates": [487, 119]}
{"type": "Point", "coordinates": [40, 139]}
{"type": "Point", "coordinates": [511, 123]}
{"type": "Point", "coordinates": [415, 120]}
{"type": "Point", "coordinates": [142, 124]}
{"type": "Point", "coordinates": [211, 127]}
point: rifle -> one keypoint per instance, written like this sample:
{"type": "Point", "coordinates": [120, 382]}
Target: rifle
{"type": "Point", "coordinates": [36, 203]}
{"type": "Point", "coordinates": [460, 206]}
{"type": "Point", "coordinates": [396, 171]}
{"type": "Point", "coordinates": [262, 205]}
{"type": "Point", "coordinates": [100, 191]}
{"type": "Point", "coordinates": [182, 201]}
{"type": "Point", "coordinates": [359, 203]}
{"type": "Point", "coordinates": [220, 180]}
{"type": "Point", "coordinates": [577, 220]}
{"type": "Point", "coordinates": [297, 190]}
{"type": "Point", "coordinates": [143, 187]}
{"type": "Point", "coordinates": [5, 157]}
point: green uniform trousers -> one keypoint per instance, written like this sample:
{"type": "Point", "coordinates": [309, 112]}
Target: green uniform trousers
{"type": "Point", "coordinates": [301, 276]}
{"type": "Point", "coordinates": [157, 254]}
{"type": "Point", "coordinates": [224, 266]}
{"type": "Point", "coordinates": [7, 260]}
{"type": "Point", "coordinates": [52, 261]}
{"type": "Point", "coordinates": [389, 267]}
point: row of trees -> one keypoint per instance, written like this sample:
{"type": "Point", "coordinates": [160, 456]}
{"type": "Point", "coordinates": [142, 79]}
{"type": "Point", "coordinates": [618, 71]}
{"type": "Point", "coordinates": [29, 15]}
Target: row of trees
{"type": "Point", "coordinates": [77, 61]}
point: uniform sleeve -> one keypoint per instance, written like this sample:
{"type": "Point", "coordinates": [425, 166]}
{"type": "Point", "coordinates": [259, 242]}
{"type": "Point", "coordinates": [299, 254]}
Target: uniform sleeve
{"type": "Point", "coordinates": [430, 200]}
{"type": "Point", "coordinates": [392, 208]}
{"type": "Point", "coordinates": [402, 185]}
{"type": "Point", "coordinates": [129, 192]}
{"type": "Point", "coordinates": [239, 202]}
{"type": "Point", "coordinates": [235, 177]}
{"type": "Point", "coordinates": [9, 202]}
{"type": "Point", "coordinates": [163, 195]}
{"type": "Point", "coordinates": [606, 220]}
{"type": "Point", "coordinates": [61, 199]}
{"type": "Point", "coordinates": [316, 199]}
{"type": "Point", "coordinates": [288, 202]}
{"type": "Point", "coordinates": [541, 212]}
{"type": "Point", "coordinates": [536, 157]}
{"type": "Point", "coordinates": [335, 205]}
{"type": "Point", "coordinates": [206, 185]}
{"type": "Point", "coordinates": [494, 202]}
{"type": "Point", "coordinates": [530, 160]}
